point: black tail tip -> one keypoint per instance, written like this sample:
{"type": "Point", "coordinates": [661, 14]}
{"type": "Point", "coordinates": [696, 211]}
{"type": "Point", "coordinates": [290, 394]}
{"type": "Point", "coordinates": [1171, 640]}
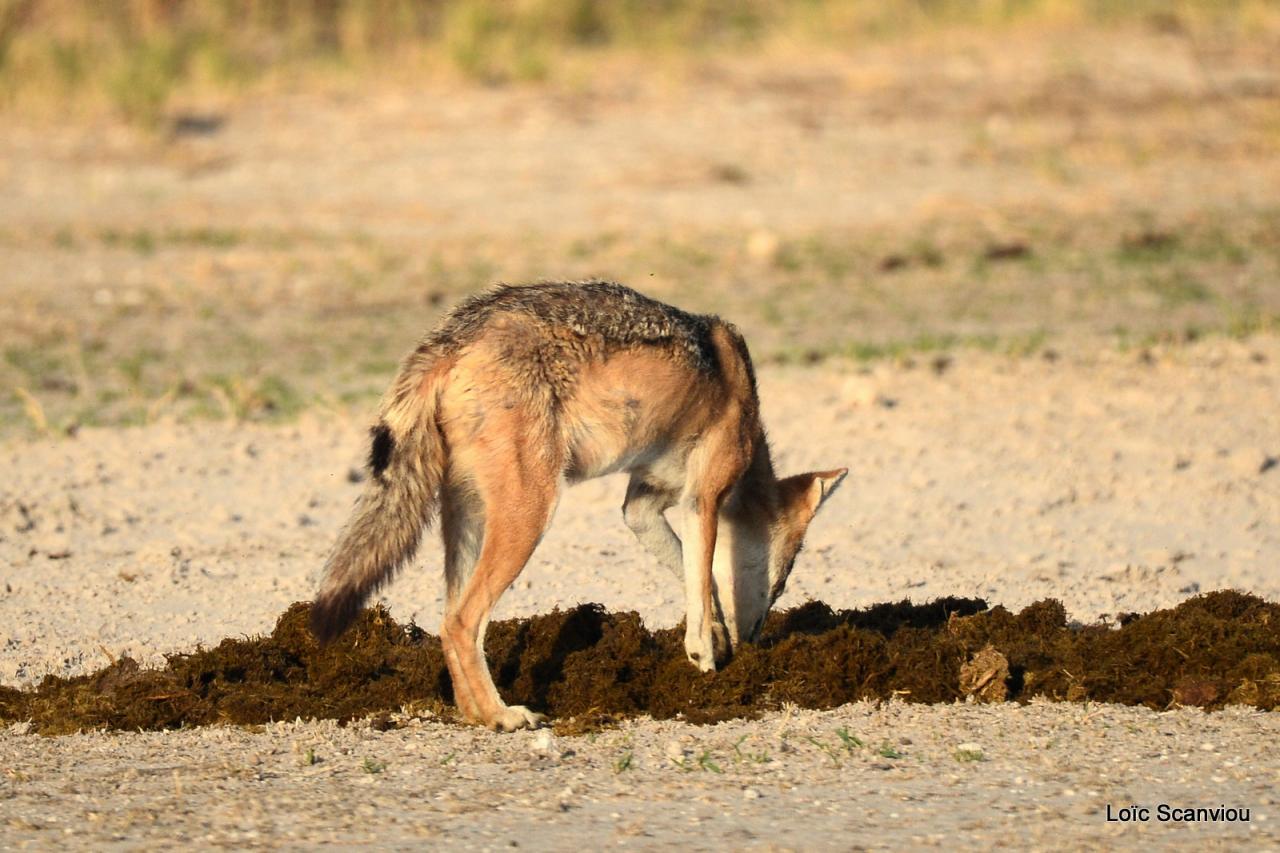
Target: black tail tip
{"type": "Point", "coordinates": [331, 615]}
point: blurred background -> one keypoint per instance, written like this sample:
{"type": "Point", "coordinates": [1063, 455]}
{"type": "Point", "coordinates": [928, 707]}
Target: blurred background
{"type": "Point", "coordinates": [241, 210]}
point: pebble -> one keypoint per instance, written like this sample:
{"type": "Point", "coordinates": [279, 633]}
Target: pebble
{"type": "Point", "coordinates": [545, 743]}
{"type": "Point", "coordinates": [861, 390]}
{"type": "Point", "coordinates": [1248, 461]}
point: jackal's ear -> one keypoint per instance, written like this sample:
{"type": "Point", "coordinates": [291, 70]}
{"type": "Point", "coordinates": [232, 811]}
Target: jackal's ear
{"type": "Point", "coordinates": [812, 489]}
{"type": "Point", "coordinates": [824, 485]}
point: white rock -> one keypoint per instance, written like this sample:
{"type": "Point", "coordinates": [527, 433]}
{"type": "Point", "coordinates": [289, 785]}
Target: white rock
{"type": "Point", "coordinates": [861, 390]}
{"type": "Point", "coordinates": [544, 743]}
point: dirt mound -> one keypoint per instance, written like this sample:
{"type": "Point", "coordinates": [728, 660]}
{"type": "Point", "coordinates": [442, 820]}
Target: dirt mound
{"type": "Point", "coordinates": [586, 667]}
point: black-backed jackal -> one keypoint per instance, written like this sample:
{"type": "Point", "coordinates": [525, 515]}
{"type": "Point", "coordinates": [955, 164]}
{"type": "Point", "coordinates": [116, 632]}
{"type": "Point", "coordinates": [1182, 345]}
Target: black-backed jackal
{"type": "Point", "coordinates": [522, 388]}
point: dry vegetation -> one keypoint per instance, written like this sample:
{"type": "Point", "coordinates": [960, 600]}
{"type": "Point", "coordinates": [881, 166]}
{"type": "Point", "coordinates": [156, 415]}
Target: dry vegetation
{"type": "Point", "coordinates": [138, 55]}
{"type": "Point", "coordinates": [589, 668]}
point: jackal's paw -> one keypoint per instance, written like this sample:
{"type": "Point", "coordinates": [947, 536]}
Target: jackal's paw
{"type": "Point", "coordinates": [515, 717]}
{"type": "Point", "coordinates": [700, 650]}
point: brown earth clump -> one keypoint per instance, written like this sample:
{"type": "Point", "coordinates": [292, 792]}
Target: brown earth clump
{"type": "Point", "coordinates": [986, 676]}
{"type": "Point", "coordinates": [586, 667]}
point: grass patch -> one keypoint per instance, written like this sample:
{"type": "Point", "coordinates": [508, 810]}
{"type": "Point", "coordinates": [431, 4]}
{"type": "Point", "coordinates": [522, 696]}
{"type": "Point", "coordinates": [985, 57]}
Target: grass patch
{"type": "Point", "coordinates": [1178, 287]}
{"type": "Point", "coordinates": [851, 742]}
{"type": "Point", "coordinates": [887, 750]}
{"type": "Point", "coordinates": [289, 321]}
{"type": "Point", "coordinates": [145, 241]}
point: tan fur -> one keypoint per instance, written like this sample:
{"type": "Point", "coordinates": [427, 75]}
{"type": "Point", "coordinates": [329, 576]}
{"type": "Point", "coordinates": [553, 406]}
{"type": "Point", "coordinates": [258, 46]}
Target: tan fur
{"type": "Point", "coordinates": [521, 387]}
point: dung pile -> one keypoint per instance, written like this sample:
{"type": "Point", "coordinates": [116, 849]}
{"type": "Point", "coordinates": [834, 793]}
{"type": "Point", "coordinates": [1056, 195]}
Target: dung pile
{"type": "Point", "coordinates": [586, 667]}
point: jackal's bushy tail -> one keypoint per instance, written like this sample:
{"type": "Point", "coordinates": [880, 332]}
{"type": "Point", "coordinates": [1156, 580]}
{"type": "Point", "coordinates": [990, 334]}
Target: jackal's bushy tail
{"type": "Point", "coordinates": [406, 462]}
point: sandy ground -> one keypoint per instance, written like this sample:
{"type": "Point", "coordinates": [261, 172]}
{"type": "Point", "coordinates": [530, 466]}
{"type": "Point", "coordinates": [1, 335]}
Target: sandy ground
{"type": "Point", "coordinates": [1044, 780]}
{"type": "Point", "coordinates": [1162, 482]}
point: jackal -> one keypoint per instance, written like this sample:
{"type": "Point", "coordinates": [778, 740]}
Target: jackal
{"type": "Point", "coordinates": [522, 388]}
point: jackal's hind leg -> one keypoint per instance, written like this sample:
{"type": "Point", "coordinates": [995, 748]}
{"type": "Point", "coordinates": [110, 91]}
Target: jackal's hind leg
{"type": "Point", "coordinates": [518, 498]}
{"type": "Point", "coordinates": [462, 528]}
{"type": "Point", "coordinates": [642, 510]}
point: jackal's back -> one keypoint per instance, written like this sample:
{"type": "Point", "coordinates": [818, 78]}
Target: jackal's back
{"type": "Point", "coordinates": [619, 316]}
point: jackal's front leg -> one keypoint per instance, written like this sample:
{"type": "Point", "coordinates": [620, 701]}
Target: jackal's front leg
{"type": "Point", "coordinates": [701, 617]}
{"type": "Point", "coordinates": [642, 510]}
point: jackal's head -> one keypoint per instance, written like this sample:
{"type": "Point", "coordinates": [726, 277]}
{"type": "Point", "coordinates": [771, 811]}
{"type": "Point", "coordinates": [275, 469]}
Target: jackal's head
{"type": "Point", "coordinates": [756, 548]}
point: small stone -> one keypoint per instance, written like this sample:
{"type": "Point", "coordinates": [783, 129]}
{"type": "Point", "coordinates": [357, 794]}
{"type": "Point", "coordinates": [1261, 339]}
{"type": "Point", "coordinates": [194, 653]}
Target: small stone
{"type": "Point", "coordinates": [1163, 557]}
{"type": "Point", "coordinates": [55, 546]}
{"type": "Point", "coordinates": [544, 743]}
{"type": "Point", "coordinates": [861, 390]}
{"type": "Point", "coordinates": [566, 797]}
{"type": "Point", "coordinates": [1249, 461]}
{"type": "Point", "coordinates": [221, 515]}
